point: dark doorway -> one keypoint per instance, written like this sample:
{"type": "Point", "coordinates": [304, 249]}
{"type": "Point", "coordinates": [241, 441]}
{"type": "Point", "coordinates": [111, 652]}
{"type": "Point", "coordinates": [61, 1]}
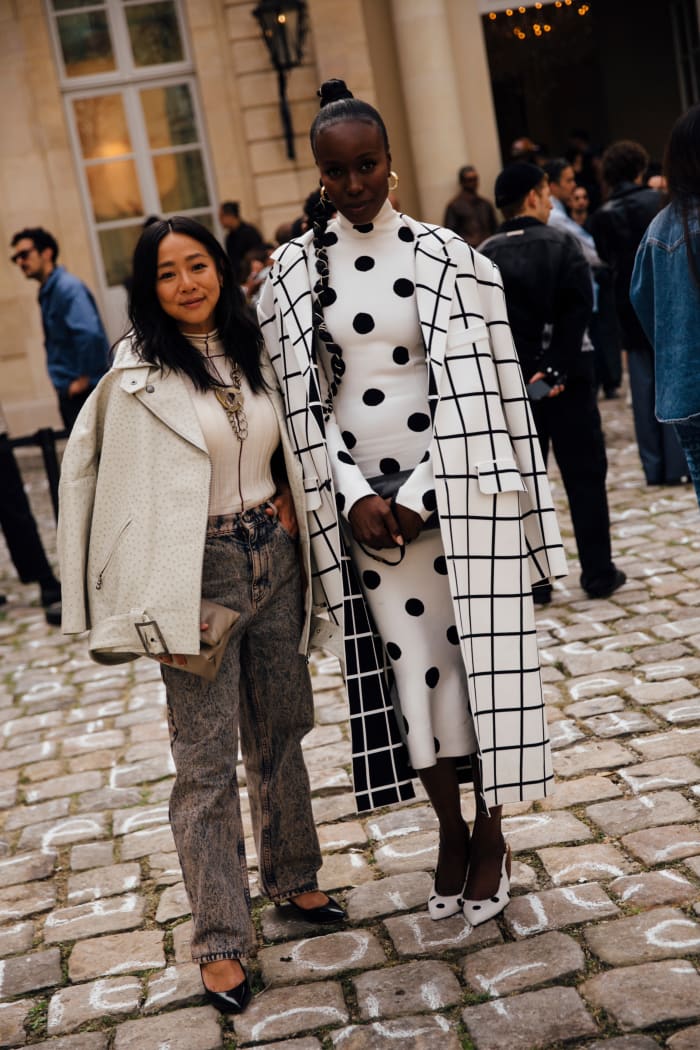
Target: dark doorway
{"type": "Point", "coordinates": [607, 67]}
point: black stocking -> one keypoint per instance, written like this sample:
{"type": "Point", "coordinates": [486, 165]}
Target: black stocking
{"type": "Point", "coordinates": [487, 848]}
{"type": "Point", "coordinates": [442, 786]}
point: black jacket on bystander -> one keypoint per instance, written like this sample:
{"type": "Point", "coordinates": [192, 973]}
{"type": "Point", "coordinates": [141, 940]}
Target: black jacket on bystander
{"type": "Point", "coordinates": [548, 291]}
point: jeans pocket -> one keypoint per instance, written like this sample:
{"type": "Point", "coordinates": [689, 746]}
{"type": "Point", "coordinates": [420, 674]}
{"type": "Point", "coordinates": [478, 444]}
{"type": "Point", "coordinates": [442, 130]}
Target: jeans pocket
{"type": "Point", "coordinates": [287, 535]}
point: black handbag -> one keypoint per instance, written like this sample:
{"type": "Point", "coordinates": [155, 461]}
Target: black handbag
{"type": "Point", "coordinates": [387, 486]}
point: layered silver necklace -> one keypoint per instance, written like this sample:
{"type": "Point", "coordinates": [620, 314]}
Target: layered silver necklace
{"type": "Point", "coordinates": [229, 395]}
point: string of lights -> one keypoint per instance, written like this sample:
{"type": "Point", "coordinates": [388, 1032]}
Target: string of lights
{"type": "Point", "coordinates": [535, 21]}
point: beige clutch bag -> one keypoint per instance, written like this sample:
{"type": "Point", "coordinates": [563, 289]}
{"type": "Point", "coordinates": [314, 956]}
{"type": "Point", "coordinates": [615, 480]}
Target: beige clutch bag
{"type": "Point", "coordinates": [206, 663]}
{"type": "Point", "coordinates": [221, 622]}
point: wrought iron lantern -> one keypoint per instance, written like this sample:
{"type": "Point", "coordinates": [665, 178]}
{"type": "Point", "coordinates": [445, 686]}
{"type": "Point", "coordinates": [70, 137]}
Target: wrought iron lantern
{"type": "Point", "coordinates": [284, 24]}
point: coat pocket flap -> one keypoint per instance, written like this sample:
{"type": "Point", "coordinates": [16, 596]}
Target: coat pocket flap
{"type": "Point", "coordinates": [312, 493]}
{"type": "Point", "coordinates": [466, 336]}
{"type": "Point", "coordinates": [499, 475]}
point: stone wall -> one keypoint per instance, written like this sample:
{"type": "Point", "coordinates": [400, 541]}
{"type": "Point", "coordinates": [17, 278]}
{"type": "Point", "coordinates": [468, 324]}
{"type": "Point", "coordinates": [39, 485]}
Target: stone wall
{"type": "Point", "coordinates": [240, 99]}
{"type": "Point", "coordinates": [38, 187]}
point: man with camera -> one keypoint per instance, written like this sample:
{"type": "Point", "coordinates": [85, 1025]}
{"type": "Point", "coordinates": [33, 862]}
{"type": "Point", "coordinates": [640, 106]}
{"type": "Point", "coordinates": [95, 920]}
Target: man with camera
{"type": "Point", "coordinates": [549, 298]}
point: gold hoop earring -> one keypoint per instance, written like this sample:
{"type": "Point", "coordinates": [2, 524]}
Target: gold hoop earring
{"type": "Point", "coordinates": [324, 195]}
{"type": "Point", "coordinates": [393, 181]}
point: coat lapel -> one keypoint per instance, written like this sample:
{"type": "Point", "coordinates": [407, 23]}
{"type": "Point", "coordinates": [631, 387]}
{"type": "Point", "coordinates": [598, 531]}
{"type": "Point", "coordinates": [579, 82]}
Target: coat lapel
{"type": "Point", "coordinates": [286, 319]}
{"type": "Point", "coordinates": [292, 289]}
{"type": "Point", "coordinates": [435, 281]}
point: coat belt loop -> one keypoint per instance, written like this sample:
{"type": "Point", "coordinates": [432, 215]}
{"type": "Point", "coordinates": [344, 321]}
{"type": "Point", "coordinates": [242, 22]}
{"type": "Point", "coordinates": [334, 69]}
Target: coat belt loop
{"type": "Point", "coordinates": [152, 639]}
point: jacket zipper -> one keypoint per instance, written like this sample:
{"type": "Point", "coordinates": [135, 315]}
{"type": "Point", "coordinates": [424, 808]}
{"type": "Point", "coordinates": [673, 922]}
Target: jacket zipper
{"type": "Point", "coordinates": [98, 583]}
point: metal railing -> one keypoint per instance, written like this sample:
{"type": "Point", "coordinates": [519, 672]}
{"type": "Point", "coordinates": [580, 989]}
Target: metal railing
{"type": "Point", "coordinates": [46, 439]}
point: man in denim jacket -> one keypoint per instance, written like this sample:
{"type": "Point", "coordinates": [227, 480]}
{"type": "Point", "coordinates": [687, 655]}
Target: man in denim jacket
{"type": "Point", "coordinates": [617, 228]}
{"type": "Point", "coordinates": [76, 344]}
{"type": "Point", "coordinates": [666, 300]}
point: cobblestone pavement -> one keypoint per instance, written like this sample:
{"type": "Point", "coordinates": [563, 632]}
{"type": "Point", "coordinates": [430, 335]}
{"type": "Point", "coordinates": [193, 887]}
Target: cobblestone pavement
{"type": "Point", "coordinates": [599, 947]}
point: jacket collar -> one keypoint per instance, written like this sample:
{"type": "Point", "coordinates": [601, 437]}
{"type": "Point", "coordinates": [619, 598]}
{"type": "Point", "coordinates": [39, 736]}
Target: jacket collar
{"type": "Point", "coordinates": [623, 189]}
{"type": "Point", "coordinates": [53, 279]}
{"type": "Point", "coordinates": [519, 222]}
{"type": "Point", "coordinates": [163, 394]}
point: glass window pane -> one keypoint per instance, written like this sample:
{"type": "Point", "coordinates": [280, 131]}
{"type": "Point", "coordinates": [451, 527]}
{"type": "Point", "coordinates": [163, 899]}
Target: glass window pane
{"type": "Point", "coordinates": [207, 219]}
{"type": "Point", "coordinates": [154, 33]}
{"type": "Point", "coordinates": [114, 190]}
{"type": "Point", "coordinates": [65, 5]}
{"type": "Point", "coordinates": [117, 248]}
{"type": "Point", "coordinates": [169, 115]}
{"type": "Point", "coordinates": [181, 182]}
{"type": "Point", "coordinates": [85, 43]}
{"type": "Point", "coordinates": [102, 127]}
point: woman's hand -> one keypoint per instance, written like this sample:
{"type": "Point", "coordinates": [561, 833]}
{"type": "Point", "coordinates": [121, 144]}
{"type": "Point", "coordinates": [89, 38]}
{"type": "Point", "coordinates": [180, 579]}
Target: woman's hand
{"type": "Point", "coordinates": [373, 523]}
{"type": "Point", "coordinates": [178, 658]}
{"type": "Point", "coordinates": [410, 523]}
{"type": "Point", "coordinates": [286, 513]}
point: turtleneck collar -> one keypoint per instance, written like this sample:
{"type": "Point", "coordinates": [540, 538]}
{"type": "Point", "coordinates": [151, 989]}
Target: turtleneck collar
{"type": "Point", "coordinates": [385, 219]}
{"type": "Point", "coordinates": [206, 343]}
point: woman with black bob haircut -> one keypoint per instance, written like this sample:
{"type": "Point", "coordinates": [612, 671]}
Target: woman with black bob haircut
{"type": "Point", "coordinates": [180, 495]}
{"type": "Point", "coordinates": [665, 290]}
{"type": "Point", "coordinates": [429, 510]}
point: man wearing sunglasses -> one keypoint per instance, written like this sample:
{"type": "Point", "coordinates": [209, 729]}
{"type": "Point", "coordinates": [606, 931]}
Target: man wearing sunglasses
{"type": "Point", "coordinates": [76, 344]}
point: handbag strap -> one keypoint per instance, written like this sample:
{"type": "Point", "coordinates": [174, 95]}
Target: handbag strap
{"type": "Point", "coordinates": [378, 557]}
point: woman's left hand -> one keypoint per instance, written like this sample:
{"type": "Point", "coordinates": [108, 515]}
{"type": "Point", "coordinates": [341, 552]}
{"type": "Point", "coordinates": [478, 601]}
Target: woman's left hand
{"type": "Point", "coordinates": [410, 523]}
{"type": "Point", "coordinates": [285, 510]}
{"type": "Point", "coordinates": [178, 658]}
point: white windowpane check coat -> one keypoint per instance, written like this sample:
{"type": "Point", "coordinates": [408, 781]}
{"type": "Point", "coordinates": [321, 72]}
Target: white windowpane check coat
{"type": "Point", "coordinates": [496, 516]}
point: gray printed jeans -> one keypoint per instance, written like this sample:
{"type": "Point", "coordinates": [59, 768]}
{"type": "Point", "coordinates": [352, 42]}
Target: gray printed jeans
{"type": "Point", "coordinates": [263, 686]}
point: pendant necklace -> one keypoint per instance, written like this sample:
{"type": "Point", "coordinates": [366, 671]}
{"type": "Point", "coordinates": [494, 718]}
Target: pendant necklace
{"type": "Point", "coordinates": [232, 401]}
{"type": "Point", "coordinates": [230, 395]}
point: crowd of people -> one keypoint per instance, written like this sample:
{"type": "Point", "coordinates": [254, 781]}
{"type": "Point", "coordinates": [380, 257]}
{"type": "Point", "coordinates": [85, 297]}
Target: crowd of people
{"type": "Point", "coordinates": [605, 200]}
{"type": "Point", "coordinates": [360, 417]}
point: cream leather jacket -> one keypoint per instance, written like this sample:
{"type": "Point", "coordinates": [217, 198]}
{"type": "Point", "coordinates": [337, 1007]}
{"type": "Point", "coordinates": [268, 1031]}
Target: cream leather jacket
{"type": "Point", "coordinates": [134, 498]}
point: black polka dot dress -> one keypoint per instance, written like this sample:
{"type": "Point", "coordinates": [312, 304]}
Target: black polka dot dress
{"type": "Point", "coordinates": [382, 424]}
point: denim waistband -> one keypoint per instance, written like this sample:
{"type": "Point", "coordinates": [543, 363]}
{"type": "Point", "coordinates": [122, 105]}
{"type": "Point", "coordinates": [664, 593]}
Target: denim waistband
{"type": "Point", "coordinates": [226, 524]}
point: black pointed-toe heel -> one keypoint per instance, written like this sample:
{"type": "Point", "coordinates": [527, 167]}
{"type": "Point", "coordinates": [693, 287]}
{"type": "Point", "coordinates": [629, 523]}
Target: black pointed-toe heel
{"type": "Point", "coordinates": [234, 1001]}
{"type": "Point", "coordinates": [325, 914]}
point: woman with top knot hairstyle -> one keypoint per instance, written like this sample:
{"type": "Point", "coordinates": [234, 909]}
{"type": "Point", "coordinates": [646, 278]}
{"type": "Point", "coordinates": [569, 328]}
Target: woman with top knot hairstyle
{"type": "Point", "coordinates": [428, 505]}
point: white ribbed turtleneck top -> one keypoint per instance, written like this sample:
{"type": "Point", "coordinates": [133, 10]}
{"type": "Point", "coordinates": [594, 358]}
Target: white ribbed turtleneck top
{"type": "Point", "coordinates": [241, 475]}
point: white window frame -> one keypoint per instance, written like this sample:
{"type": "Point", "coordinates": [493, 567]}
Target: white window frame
{"type": "Point", "coordinates": [121, 46]}
{"type": "Point", "coordinates": [127, 80]}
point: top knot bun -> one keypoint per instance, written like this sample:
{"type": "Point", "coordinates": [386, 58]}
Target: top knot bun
{"type": "Point", "coordinates": [333, 91]}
